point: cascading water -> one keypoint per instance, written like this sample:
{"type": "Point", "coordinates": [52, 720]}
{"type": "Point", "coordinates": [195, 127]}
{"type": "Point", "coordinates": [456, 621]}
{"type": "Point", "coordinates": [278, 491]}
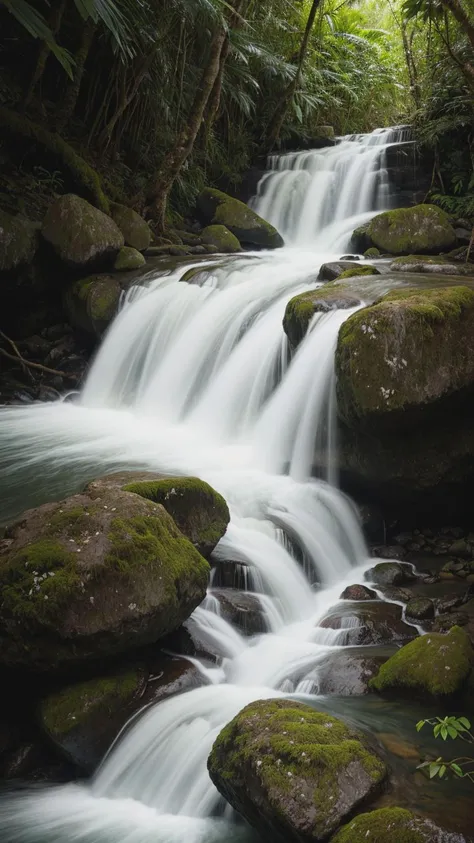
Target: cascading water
{"type": "Point", "coordinates": [195, 378]}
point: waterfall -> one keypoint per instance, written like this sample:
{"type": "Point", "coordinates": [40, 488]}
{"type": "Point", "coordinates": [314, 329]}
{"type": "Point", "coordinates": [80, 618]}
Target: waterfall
{"type": "Point", "coordinates": [197, 379]}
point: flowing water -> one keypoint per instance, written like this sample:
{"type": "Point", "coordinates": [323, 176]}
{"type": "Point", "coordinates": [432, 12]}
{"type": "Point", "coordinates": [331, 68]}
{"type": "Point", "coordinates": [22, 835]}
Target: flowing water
{"type": "Point", "coordinates": [196, 378]}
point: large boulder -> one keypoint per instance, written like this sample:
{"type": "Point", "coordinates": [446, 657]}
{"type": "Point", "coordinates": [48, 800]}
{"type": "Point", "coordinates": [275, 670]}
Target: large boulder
{"type": "Point", "coordinates": [390, 573]}
{"type": "Point", "coordinates": [97, 574]}
{"type": "Point", "coordinates": [295, 774]}
{"type": "Point", "coordinates": [348, 672]}
{"type": "Point", "coordinates": [345, 269]}
{"type": "Point", "coordinates": [135, 230]}
{"type": "Point", "coordinates": [394, 825]}
{"type": "Point", "coordinates": [91, 303]}
{"type": "Point", "coordinates": [241, 609]}
{"type": "Point", "coordinates": [81, 236]}
{"type": "Point", "coordinates": [301, 309]}
{"type": "Point", "coordinates": [405, 385]}
{"type": "Point", "coordinates": [433, 665]}
{"type": "Point", "coordinates": [217, 208]}
{"type": "Point", "coordinates": [368, 623]}
{"type": "Point", "coordinates": [200, 512]}
{"type": "Point", "coordinates": [220, 237]}
{"type": "Point", "coordinates": [128, 258]}
{"type": "Point", "coordinates": [422, 229]}
{"type": "Point", "coordinates": [18, 243]}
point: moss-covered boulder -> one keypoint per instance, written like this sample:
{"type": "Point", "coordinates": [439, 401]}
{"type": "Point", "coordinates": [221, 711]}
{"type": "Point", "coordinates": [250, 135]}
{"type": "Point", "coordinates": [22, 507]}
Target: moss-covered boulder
{"type": "Point", "coordinates": [433, 665]}
{"type": "Point", "coordinates": [372, 252]}
{"type": "Point", "coordinates": [135, 230]}
{"type": "Point", "coordinates": [420, 609]}
{"type": "Point", "coordinates": [390, 573]}
{"type": "Point", "coordinates": [200, 512]}
{"type": "Point", "coordinates": [18, 243]}
{"type": "Point", "coordinates": [438, 265]}
{"type": "Point", "coordinates": [294, 773]}
{"type": "Point", "coordinates": [301, 309]}
{"type": "Point", "coordinates": [217, 208]}
{"type": "Point", "coordinates": [83, 719]}
{"type": "Point", "coordinates": [410, 349]}
{"type": "Point", "coordinates": [393, 825]}
{"type": "Point", "coordinates": [97, 574]}
{"type": "Point", "coordinates": [423, 229]}
{"type": "Point", "coordinates": [81, 236]}
{"type": "Point", "coordinates": [91, 303]}
{"type": "Point", "coordinates": [220, 237]}
{"type": "Point", "coordinates": [333, 270]}
{"type": "Point", "coordinates": [128, 258]}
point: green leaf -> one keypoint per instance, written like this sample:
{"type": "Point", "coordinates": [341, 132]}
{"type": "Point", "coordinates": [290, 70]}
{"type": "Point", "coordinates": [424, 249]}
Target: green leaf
{"type": "Point", "coordinates": [436, 730]}
{"type": "Point", "coordinates": [453, 733]}
{"type": "Point", "coordinates": [420, 725]}
{"type": "Point", "coordinates": [465, 722]}
{"type": "Point", "coordinates": [434, 769]}
{"type": "Point", "coordinates": [442, 771]}
{"type": "Point", "coordinates": [457, 769]}
{"type": "Point", "coordinates": [444, 732]}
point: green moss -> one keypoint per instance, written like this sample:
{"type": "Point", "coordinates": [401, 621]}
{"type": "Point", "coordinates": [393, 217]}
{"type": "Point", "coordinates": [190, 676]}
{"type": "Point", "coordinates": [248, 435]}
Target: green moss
{"type": "Point", "coordinates": [358, 270]}
{"type": "Point", "coordinates": [218, 208]}
{"type": "Point", "coordinates": [373, 252]}
{"type": "Point", "coordinates": [301, 309]}
{"type": "Point", "coordinates": [220, 237]}
{"type": "Point", "coordinates": [386, 825]}
{"type": "Point", "coordinates": [421, 229]}
{"type": "Point", "coordinates": [92, 303]}
{"type": "Point", "coordinates": [432, 664]}
{"type": "Point", "coordinates": [18, 242]}
{"type": "Point", "coordinates": [200, 512]}
{"type": "Point", "coordinates": [128, 258]}
{"type": "Point", "coordinates": [135, 230]}
{"type": "Point", "coordinates": [72, 706]}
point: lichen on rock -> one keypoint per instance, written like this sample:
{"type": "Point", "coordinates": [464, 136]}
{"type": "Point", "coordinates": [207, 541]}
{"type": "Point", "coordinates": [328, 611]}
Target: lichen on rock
{"type": "Point", "coordinates": [217, 208]}
{"type": "Point", "coordinates": [294, 773]}
{"type": "Point", "coordinates": [433, 665]}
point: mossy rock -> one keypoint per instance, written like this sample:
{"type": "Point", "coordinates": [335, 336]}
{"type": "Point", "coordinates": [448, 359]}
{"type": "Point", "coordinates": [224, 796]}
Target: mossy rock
{"type": "Point", "coordinates": [95, 575]}
{"type": "Point", "coordinates": [18, 243]}
{"type": "Point", "coordinates": [217, 208]}
{"type": "Point", "coordinates": [92, 303]}
{"type": "Point", "coordinates": [420, 609]}
{"type": "Point", "coordinates": [363, 269]}
{"type": "Point", "coordinates": [332, 271]}
{"type": "Point", "coordinates": [433, 665]}
{"type": "Point", "coordinates": [423, 229]}
{"type": "Point", "coordinates": [409, 350]}
{"type": "Point", "coordinates": [135, 230]}
{"type": "Point", "coordinates": [128, 258]}
{"type": "Point", "coordinates": [294, 773]}
{"type": "Point", "coordinates": [220, 237]}
{"type": "Point", "coordinates": [372, 253]}
{"type": "Point", "coordinates": [393, 825]}
{"type": "Point", "coordinates": [81, 236]}
{"type": "Point", "coordinates": [83, 719]}
{"type": "Point", "coordinates": [440, 265]}
{"type": "Point", "coordinates": [301, 309]}
{"type": "Point", "coordinates": [389, 573]}
{"type": "Point", "coordinates": [200, 512]}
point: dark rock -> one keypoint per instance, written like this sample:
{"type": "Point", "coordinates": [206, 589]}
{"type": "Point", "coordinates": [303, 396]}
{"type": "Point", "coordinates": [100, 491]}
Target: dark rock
{"type": "Point", "coordinates": [368, 623]}
{"type": "Point", "coordinates": [220, 237]}
{"type": "Point", "coordinates": [294, 773]}
{"type": "Point", "coordinates": [18, 243]}
{"type": "Point", "coordinates": [358, 592]}
{"type": "Point", "coordinates": [386, 551]}
{"type": "Point", "coordinates": [135, 230]}
{"type": "Point", "coordinates": [393, 592]}
{"type": "Point", "coordinates": [332, 271]}
{"type": "Point", "coordinates": [241, 609]}
{"type": "Point", "coordinates": [92, 303]}
{"type": "Point", "coordinates": [420, 609]}
{"type": "Point", "coordinates": [81, 236]}
{"type": "Point", "coordinates": [461, 548]}
{"type": "Point", "coordinates": [394, 825]}
{"type": "Point", "coordinates": [443, 623]}
{"type": "Point", "coordinates": [128, 258]}
{"type": "Point", "coordinates": [347, 673]}
{"type": "Point", "coordinates": [390, 573]}
{"type": "Point", "coordinates": [217, 208]}
{"type": "Point", "coordinates": [301, 309]}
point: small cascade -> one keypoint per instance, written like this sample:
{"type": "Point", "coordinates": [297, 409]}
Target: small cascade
{"type": "Point", "coordinates": [197, 379]}
{"type": "Point", "coordinates": [319, 196]}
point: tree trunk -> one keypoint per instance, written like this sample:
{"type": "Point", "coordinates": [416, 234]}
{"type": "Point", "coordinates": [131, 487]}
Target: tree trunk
{"type": "Point", "coordinates": [70, 99]}
{"type": "Point", "coordinates": [412, 72]}
{"type": "Point", "coordinates": [175, 158]}
{"type": "Point", "coordinates": [54, 24]}
{"type": "Point", "coordinates": [276, 123]}
{"type": "Point", "coordinates": [462, 18]}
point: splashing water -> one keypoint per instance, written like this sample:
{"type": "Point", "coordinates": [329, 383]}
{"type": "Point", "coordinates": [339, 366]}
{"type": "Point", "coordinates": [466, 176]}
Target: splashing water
{"type": "Point", "coordinates": [196, 378]}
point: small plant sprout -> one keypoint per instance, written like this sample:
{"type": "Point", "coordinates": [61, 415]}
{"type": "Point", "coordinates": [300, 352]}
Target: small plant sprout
{"type": "Point", "coordinates": [456, 728]}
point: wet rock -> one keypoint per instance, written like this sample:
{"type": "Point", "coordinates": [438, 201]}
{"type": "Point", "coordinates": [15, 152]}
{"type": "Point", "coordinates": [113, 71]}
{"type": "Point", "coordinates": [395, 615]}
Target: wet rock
{"type": "Point", "coordinates": [393, 592]}
{"type": "Point", "coordinates": [200, 512]}
{"type": "Point", "coordinates": [81, 236]}
{"type": "Point", "coordinates": [301, 309]}
{"type": "Point", "coordinates": [390, 573]}
{"type": "Point", "coordinates": [438, 265]}
{"type": "Point", "coordinates": [92, 302]}
{"type": "Point", "coordinates": [18, 243]}
{"type": "Point", "coordinates": [386, 551]}
{"type": "Point", "coordinates": [443, 623]}
{"type": "Point", "coordinates": [461, 548]}
{"type": "Point", "coordinates": [241, 609]}
{"type": "Point", "coordinates": [420, 609]}
{"type": "Point", "coordinates": [433, 665]}
{"type": "Point", "coordinates": [348, 268]}
{"type": "Point", "coordinates": [95, 575]}
{"type": "Point", "coordinates": [368, 623]}
{"type": "Point", "coordinates": [394, 825]}
{"type": "Point", "coordinates": [220, 237]}
{"type": "Point", "coordinates": [217, 208]}
{"type": "Point", "coordinates": [347, 674]}
{"type": "Point", "coordinates": [135, 230]}
{"type": "Point", "coordinates": [231, 574]}
{"type": "Point", "coordinates": [83, 719]}
{"type": "Point", "coordinates": [422, 229]}
{"type": "Point", "coordinates": [358, 592]}
{"type": "Point", "coordinates": [349, 258]}
{"type": "Point", "coordinates": [128, 258]}
{"type": "Point", "coordinates": [294, 773]}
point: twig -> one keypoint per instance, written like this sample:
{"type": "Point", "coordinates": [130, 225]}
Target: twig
{"type": "Point", "coordinates": [38, 366]}
{"type": "Point", "coordinates": [15, 349]}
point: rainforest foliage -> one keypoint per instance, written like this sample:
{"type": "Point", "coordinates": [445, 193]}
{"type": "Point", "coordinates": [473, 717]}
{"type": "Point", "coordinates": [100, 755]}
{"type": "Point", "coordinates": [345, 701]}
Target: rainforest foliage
{"type": "Point", "coordinates": [161, 97]}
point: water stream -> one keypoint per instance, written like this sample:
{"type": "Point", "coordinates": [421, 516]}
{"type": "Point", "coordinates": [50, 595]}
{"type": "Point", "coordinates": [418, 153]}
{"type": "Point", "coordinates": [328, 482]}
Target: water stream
{"type": "Point", "coordinates": [196, 378]}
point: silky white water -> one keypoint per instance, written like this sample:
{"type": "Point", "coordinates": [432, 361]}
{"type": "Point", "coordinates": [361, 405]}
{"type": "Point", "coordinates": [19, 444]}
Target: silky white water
{"type": "Point", "coordinates": [196, 378]}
